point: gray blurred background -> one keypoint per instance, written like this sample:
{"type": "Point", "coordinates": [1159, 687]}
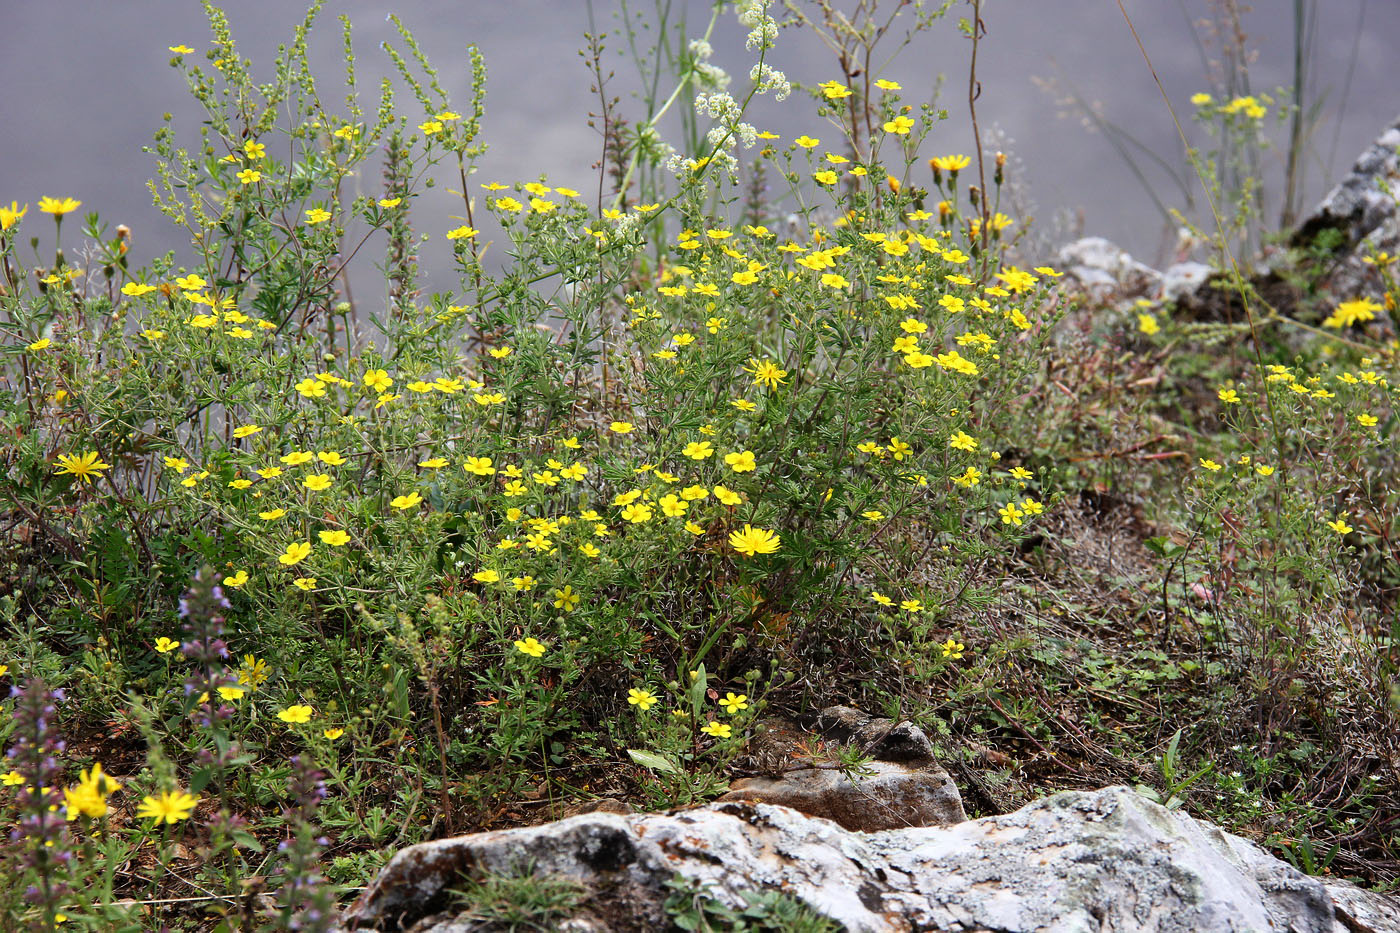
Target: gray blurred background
{"type": "Point", "coordinates": [85, 83]}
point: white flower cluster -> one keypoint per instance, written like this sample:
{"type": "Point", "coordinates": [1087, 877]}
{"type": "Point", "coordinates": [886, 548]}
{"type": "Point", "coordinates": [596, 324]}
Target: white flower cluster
{"type": "Point", "coordinates": [707, 75]}
{"type": "Point", "coordinates": [763, 29]}
{"type": "Point", "coordinates": [719, 106]}
{"type": "Point", "coordinates": [767, 78]}
{"type": "Point", "coordinates": [626, 224]}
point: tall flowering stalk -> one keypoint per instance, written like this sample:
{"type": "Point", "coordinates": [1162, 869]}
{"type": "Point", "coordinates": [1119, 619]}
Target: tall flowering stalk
{"type": "Point", "coordinates": [306, 901]}
{"type": "Point", "coordinates": [212, 687]}
{"type": "Point", "coordinates": [40, 835]}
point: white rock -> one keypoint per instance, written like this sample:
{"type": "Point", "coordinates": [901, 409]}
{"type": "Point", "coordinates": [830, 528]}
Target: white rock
{"type": "Point", "coordinates": [1106, 271]}
{"type": "Point", "coordinates": [1076, 862]}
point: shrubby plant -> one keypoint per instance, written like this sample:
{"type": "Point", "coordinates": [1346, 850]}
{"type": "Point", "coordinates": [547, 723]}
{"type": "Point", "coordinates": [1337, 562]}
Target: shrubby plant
{"type": "Point", "coordinates": [573, 525]}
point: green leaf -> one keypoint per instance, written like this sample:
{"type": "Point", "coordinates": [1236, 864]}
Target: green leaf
{"type": "Point", "coordinates": [653, 761]}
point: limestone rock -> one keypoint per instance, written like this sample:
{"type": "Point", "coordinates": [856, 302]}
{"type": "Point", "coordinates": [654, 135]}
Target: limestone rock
{"type": "Point", "coordinates": [1366, 215]}
{"type": "Point", "coordinates": [1107, 272]}
{"type": "Point", "coordinates": [1184, 279]}
{"type": "Point", "coordinates": [1106, 860]}
{"type": "Point", "coordinates": [1357, 205]}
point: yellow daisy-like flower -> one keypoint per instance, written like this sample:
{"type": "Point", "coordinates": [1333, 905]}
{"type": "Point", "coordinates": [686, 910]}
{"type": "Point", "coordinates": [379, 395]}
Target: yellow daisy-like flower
{"type": "Point", "coordinates": [84, 466]}
{"type": "Point", "coordinates": [751, 541]}
{"type": "Point", "coordinates": [170, 807]}
{"type": "Point", "coordinates": [59, 206]}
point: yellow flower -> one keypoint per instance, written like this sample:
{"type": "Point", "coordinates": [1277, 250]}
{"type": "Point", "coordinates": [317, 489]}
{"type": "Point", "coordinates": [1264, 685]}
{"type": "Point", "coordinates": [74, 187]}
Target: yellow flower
{"type": "Point", "coordinates": [807, 142]}
{"type": "Point", "coordinates": [642, 699]}
{"type": "Point", "coordinates": [271, 515]}
{"type": "Point", "coordinates": [378, 380]}
{"type": "Point", "coordinates": [900, 126]}
{"type": "Point", "coordinates": [247, 430]}
{"type": "Point", "coordinates": [637, 513]}
{"type": "Point", "coordinates": [1010, 514]}
{"type": "Point", "coordinates": [1353, 312]}
{"type": "Point", "coordinates": [253, 671]}
{"type": "Point", "coordinates": [236, 580]}
{"type": "Point", "coordinates": [1207, 464]}
{"type": "Point", "coordinates": [335, 538]}
{"type": "Point", "coordinates": [834, 90]}
{"type": "Point", "coordinates": [751, 541]}
{"type": "Point", "coordinates": [620, 427]}
{"type": "Point", "coordinates": [531, 646]}
{"type": "Point", "coordinates": [1228, 396]}
{"type": "Point", "coordinates": [317, 215]}
{"type": "Point", "coordinates": [481, 466]}
{"type": "Point", "coordinates": [84, 466]}
{"type": "Point", "coordinates": [952, 648]}
{"type": "Point", "coordinates": [765, 373]}
{"type": "Point", "coordinates": [317, 482]}
{"type": "Point", "coordinates": [406, 502]}
{"type": "Point", "coordinates": [733, 702]}
{"type": "Point", "coordinates": [306, 584]}
{"type": "Point", "coordinates": [824, 178]}
{"type": "Point", "coordinates": [717, 729]}
{"type": "Point", "coordinates": [962, 441]}
{"type": "Point", "coordinates": [166, 645]}
{"type": "Point", "coordinates": [741, 461]}
{"type": "Point", "coordinates": [9, 216]}
{"type": "Point", "coordinates": [565, 599]}
{"type": "Point", "coordinates": [952, 163]}
{"type": "Point", "coordinates": [728, 496]}
{"type": "Point", "coordinates": [249, 176]}
{"type": "Point", "coordinates": [296, 714]}
{"type": "Point", "coordinates": [296, 552]}
{"type": "Point", "coordinates": [486, 576]}
{"type": "Point", "coordinates": [58, 206]}
{"type": "Point", "coordinates": [332, 734]}
{"type": "Point", "coordinates": [698, 450]}
{"type": "Point", "coordinates": [1340, 526]}
{"type": "Point", "coordinates": [1148, 325]}
{"type": "Point", "coordinates": [170, 807]}
{"type": "Point", "coordinates": [231, 693]}
{"type": "Point", "coordinates": [181, 49]}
